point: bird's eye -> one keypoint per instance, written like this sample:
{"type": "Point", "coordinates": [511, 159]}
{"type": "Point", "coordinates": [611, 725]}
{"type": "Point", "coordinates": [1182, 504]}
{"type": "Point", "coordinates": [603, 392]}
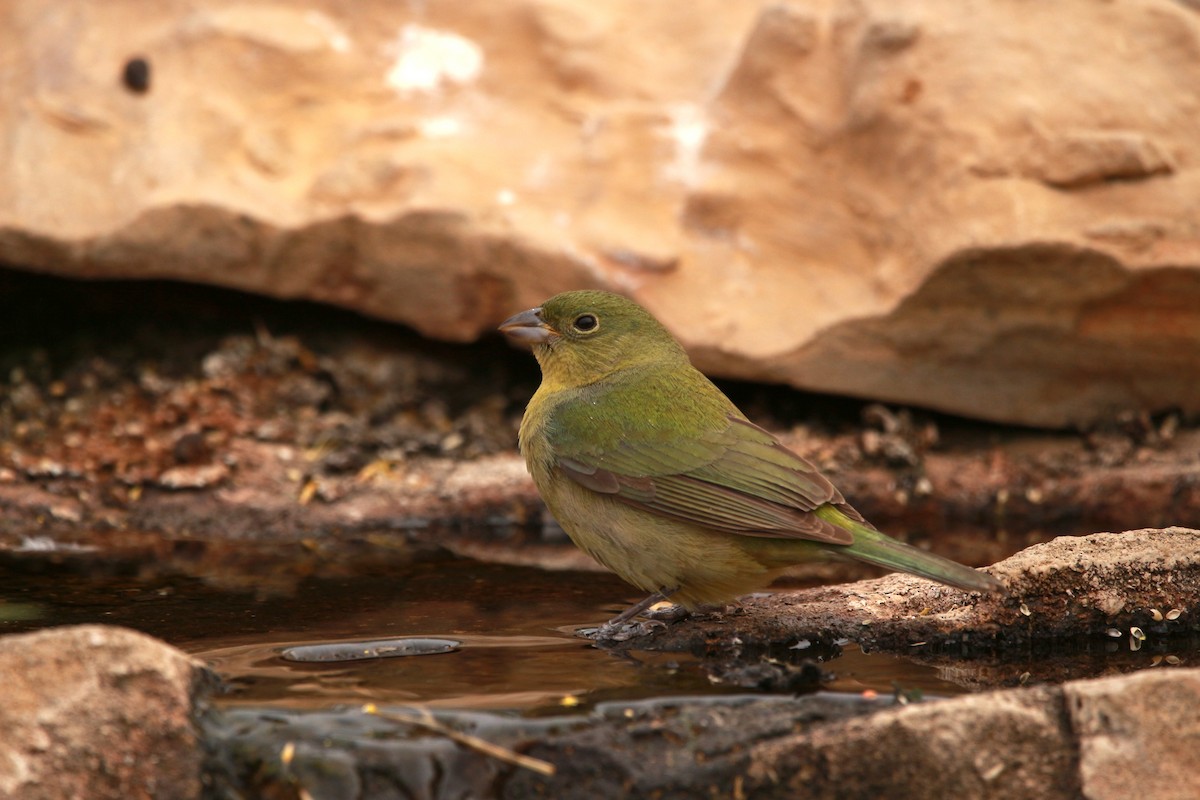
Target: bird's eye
{"type": "Point", "coordinates": [586, 323]}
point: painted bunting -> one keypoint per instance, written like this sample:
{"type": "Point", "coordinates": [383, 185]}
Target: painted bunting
{"type": "Point", "coordinates": [656, 474]}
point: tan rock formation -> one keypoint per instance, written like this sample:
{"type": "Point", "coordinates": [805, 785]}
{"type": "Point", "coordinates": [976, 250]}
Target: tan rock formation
{"type": "Point", "coordinates": [1124, 736]}
{"type": "Point", "coordinates": [99, 712]}
{"type": "Point", "coordinates": [957, 206]}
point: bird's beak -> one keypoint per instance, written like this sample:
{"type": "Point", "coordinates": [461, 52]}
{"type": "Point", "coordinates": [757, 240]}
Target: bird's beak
{"type": "Point", "coordinates": [528, 328]}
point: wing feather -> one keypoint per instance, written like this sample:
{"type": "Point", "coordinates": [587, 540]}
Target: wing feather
{"type": "Point", "coordinates": [737, 479]}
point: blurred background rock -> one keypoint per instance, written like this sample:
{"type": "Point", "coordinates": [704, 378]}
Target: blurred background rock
{"type": "Point", "coordinates": [987, 209]}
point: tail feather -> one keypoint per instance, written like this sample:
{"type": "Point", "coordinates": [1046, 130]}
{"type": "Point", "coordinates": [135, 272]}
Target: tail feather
{"type": "Point", "coordinates": [880, 549]}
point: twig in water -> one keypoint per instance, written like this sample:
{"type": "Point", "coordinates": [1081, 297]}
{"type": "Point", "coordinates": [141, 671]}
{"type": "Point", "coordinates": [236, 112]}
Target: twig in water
{"type": "Point", "coordinates": [428, 722]}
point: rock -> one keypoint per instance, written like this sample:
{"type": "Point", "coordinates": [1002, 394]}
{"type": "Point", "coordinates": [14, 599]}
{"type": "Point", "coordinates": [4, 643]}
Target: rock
{"type": "Point", "coordinates": [98, 712]}
{"type": "Point", "coordinates": [193, 476]}
{"type": "Point", "coordinates": [1114, 737]}
{"type": "Point", "coordinates": [1137, 734]}
{"type": "Point", "coordinates": [1003, 745]}
{"type": "Point", "coordinates": [1071, 587]}
{"type": "Point", "coordinates": [929, 205]}
{"type": "Point", "coordinates": [1126, 736]}
{"type": "Point", "coordinates": [102, 712]}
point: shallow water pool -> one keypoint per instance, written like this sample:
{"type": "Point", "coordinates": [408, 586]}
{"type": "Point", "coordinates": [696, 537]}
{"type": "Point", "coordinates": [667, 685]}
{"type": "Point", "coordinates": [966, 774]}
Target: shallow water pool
{"type": "Point", "coordinates": [514, 627]}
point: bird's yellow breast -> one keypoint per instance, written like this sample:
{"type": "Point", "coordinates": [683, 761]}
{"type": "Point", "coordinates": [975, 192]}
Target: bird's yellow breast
{"type": "Point", "coordinates": [647, 550]}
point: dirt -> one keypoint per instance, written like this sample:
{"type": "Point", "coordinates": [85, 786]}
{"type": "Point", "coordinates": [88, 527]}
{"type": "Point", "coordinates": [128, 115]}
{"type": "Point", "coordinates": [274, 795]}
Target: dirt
{"type": "Point", "coordinates": [143, 412]}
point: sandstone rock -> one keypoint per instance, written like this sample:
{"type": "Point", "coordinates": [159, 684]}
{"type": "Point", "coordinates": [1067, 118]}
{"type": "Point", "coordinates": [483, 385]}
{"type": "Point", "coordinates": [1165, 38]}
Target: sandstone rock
{"type": "Point", "coordinates": [1073, 586]}
{"type": "Point", "coordinates": [1126, 736]}
{"type": "Point", "coordinates": [97, 712]}
{"type": "Point", "coordinates": [934, 205]}
{"type": "Point", "coordinates": [1113, 737]}
{"type": "Point", "coordinates": [1137, 734]}
{"type": "Point", "coordinates": [997, 745]}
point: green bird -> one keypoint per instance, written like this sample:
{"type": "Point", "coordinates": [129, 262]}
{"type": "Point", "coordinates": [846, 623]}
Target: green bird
{"type": "Point", "coordinates": [656, 474]}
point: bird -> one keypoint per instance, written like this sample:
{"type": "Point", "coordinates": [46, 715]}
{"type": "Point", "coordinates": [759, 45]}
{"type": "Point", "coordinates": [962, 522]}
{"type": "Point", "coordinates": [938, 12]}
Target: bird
{"type": "Point", "coordinates": [656, 474]}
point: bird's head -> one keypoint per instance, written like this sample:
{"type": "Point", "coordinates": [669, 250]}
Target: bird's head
{"type": "Point", "coordinates": [582, 337]}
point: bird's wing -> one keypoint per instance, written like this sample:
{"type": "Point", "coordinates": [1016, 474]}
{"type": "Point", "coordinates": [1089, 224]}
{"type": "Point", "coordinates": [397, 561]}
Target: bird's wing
{"type": "Point", "coordinates": [738, 479]}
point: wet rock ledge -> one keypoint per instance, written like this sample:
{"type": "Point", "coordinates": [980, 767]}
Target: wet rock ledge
{"type": "Point", "coordinates": [118, 714]}
{"type": "Point", "coordinates": [1070, 587]}
{"type": "Point", "coordinates": [1103, 738]}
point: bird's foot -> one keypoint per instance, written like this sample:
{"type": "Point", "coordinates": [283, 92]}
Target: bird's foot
{"type": "Point", "coordinates": [621, 627]}
{"type": "Point", "coordinates": [610, 633]}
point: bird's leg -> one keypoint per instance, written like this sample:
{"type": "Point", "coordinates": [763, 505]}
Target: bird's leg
{"type": "Point", "coordinates": [638, 608]}
{"type": "Point", "coordinates": [615, 627]}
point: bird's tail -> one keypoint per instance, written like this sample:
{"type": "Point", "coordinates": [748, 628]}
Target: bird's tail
{"type": "Point", "coordinates": [880, 549]}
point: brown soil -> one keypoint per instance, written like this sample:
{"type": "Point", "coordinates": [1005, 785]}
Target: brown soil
{"type": "Point", "coordinates": [141, 412]}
